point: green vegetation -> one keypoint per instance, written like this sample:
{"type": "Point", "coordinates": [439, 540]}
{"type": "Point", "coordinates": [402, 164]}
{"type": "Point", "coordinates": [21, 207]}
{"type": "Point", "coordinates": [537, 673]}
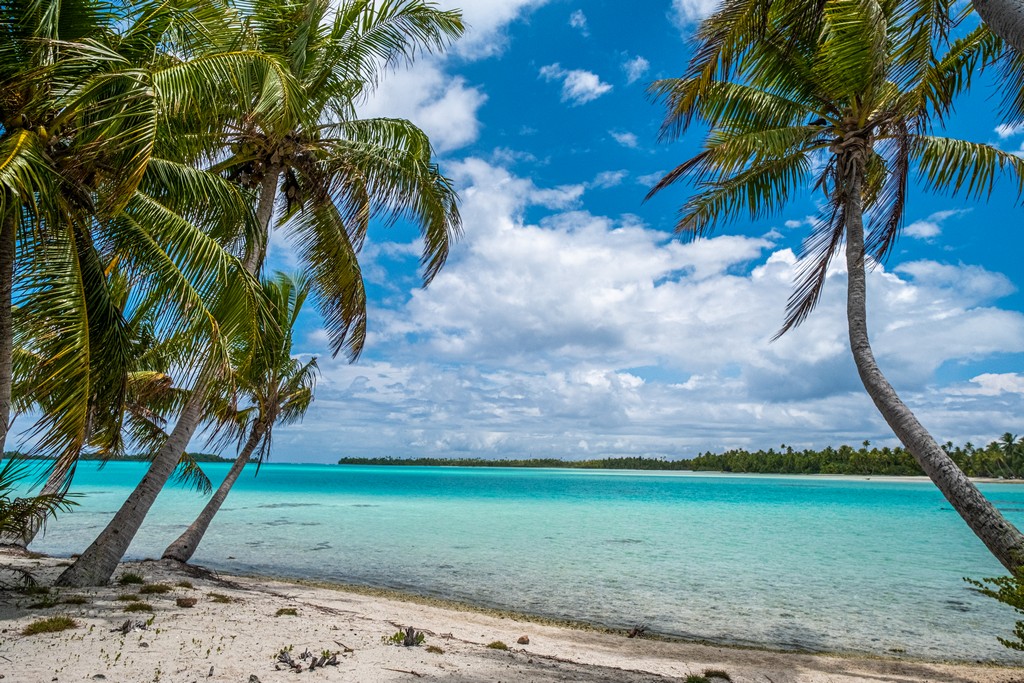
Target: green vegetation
{"type": "Point", "coordinates": [497, 645]}
{"type": "Point", "coordinates": [1008, 590]}
{"type": "Point", "coordinates": [155, 588]}
{"type": "Point", "coordinates": [127, 597]}
{"type": "Point", "coordinates": [51, 625]}
{"type": "Point", "coordinates": [184, 584]}
{"type": "Point", "coordinates": [1003, 458]}
{"type": "Point", "coordinates": [131, 578]}
{"type": "Point", "coordinates": [434, 649]}
{"type": "Point", "coordinates": [220, 597]}
{"type": "Point", "coordinates": [287, 612]}
{"type": "Point", "coordinates": [138, 607]}
{"type": "Point", "coordinates": [75, 600]}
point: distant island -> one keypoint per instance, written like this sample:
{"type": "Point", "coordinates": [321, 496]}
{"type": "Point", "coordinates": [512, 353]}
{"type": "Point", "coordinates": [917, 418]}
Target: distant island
{"type": "Point", "coordinates": [999, 459]}
{"type": "Point", "coordinates": [136, 457]}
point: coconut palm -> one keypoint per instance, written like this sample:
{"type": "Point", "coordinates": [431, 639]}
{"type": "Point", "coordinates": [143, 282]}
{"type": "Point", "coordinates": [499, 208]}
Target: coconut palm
{"type": "Point", "coordinates": [333, 172]}
{"type": "Point", "coordinates": [85, 86]}
{"type": "Point", "coordinates": [845, 99]}
{"type": "Point", "coordinates": [276, 388]}
{"type": "Point", "coordinates": [1005, 18]}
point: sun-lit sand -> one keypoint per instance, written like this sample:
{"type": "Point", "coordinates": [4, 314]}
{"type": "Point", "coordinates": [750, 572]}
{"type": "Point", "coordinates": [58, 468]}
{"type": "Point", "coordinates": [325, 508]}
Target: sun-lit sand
{"type": "Point", "coordinates": [238, 626]}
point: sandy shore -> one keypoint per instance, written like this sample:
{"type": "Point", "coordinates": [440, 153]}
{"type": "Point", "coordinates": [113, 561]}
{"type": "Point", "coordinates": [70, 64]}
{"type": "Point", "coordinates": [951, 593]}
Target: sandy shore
{"type": "Point", "coordinates": [238, 626]}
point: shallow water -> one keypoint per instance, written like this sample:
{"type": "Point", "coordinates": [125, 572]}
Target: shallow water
{"type": "Point", "coordinates": [810, 563]}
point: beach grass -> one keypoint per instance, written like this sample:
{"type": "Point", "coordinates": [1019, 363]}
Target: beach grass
{"type": "Point", "coordinates": [138, 607]}
{"type": "Point", "coordinates": [155, 588]}
{"type": "Point", "coordinates": [50, 625]}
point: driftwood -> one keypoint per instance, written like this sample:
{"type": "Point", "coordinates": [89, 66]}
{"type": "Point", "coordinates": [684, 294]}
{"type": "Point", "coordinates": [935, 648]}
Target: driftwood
{"type": "Point", "coordinates": [128, 626]}
{"type": "Point", "coordinates": [403, 671]}
{"type": "Point", "coordinates": [637, 631]}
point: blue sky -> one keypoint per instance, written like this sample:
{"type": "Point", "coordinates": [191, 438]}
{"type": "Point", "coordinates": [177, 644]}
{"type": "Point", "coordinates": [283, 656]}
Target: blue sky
{"type": "Point", "coordinates": [570, 323]}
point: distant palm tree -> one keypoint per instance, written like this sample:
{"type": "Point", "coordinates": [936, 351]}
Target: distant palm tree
{"type": "Point", "coordinates": [842, 94]}
{"type": "Point", "coordinates": [276, 388]}
{"type": "Point", "coordinates": [335, 173]}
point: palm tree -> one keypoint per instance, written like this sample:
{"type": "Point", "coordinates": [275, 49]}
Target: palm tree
{"type": "Point", "coordinates": [1005, 18]}
{"type": "Point", "coordinates": [278, 389]}
{"type": "Point", "coordinates": [335, 173]}
{"type": "Point", "coordinates": [855, 88]}
{"type": "Point", "coordinates": [85, 86]}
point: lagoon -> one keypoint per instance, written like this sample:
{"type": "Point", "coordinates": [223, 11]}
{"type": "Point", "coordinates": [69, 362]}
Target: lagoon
{"type": "Point", "coordinates": [792, 562]}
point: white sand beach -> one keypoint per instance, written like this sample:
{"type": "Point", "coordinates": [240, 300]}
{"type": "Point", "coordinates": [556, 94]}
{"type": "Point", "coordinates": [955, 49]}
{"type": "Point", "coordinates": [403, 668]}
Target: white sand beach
{"type": "Point", "coordinates": [238, 626]}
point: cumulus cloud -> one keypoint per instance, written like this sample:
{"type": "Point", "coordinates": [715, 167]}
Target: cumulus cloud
{"type": "Point", "coordinates": [571, 334]}
{"type": "Point", "coordinates": [578, 86]}
{"type": "Point", "coordinates": [578, 20]}
{"type": "Point", "coordinates": [931, 227]}
{"type": "Point", "coordinates": [624, 138]}
{"type": "Point", "coordinates": [1006, 130]}
{"type": "Point", "coordinates": [635, 68]}
{"type": "Point", "coordinates": [443, 106]}
{"type": "Point", "coordinates": [607, 179]}
{"type": "Point", "coordinates": [686, 13]}
{"type": "Point", "coordinates": [486, 22]}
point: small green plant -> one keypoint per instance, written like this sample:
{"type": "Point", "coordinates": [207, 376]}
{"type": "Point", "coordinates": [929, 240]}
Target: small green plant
{"type": "Point", "coordinates": [497, 645]}
{"type": "Point", "coordinates": [1008, 590]}
{"type": "Point", "coordinates": [155, 588]}
{"type": "Point", "coordinates": [408, 637]}
{"type": "Point", "coordinates": [51, 625]}
{"type": "Point", "coordinates": [138, 607]}
{"type": "Point", "coordinates": [128, 597]}
{"type": "Point", "coordinates": [131, 578]}
{"type": "Point", "coordinates": [694, 678]}
{"type": "Point", "coordinates": [287, 612]}
{"type": "Point", "coordinates": [35, 589]}
{"type": "Point", "coordinates": [220, 597]}
{"type": "Point", "coordinates": [76, 600]}
{"type": "Point", "coordinates": [717, 673]}
{"type": "Point", "coordinates": [434, 649]}
{"type": "Point", "coordinates": [185, 602]}
{"type": "Point", "coordinates": [184, 584]}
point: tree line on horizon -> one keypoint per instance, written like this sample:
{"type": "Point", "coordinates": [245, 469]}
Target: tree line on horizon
{"type": "Point", "coordinates": [1003, 458]}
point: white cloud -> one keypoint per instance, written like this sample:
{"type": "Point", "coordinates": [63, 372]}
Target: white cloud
{"type": "Point", "coordinates": [444, 106]}
{"type": "Point", "coordinates": [635, 68]}
{"type": "Point", "coordinates": [1005, 130]}
{"type": "Point", "coordinates": [931, 227]}
{"type": "Point", "coordinates": [624, 138]}
{"type": "Point", "coordinates": [571, 334]}
{"type": "Point", "coordinates": [686, 13]}
{"type": "Point", "coordinates": [650, 179]}
{"type": "Point", "coordinates": [607, 179]}
{"type": "Point", "coordinates": [485, 24]}
{"type": "Point", "coordinates": [578, 86]}
{"type": "Point", "coordinates": [578, 20]}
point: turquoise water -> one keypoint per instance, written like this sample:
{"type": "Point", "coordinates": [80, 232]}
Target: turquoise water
{"type": "Point", "coordinates": [793, 562]}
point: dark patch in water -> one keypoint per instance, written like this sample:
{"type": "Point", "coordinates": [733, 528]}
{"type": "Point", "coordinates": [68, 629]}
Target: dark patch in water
{"type": "Point", "coordinates": [254, 544]}
{"type": "Point", "coordinates": [445, 566]}
{"type": "Point", "coordinates": [274, 522]}
{"type": "Point", "coordinates": [958, 605]}
{"type": "Point", "coordinates": [310, 523]}
{"type": "Point", "coordinates": [323, 545]}
{"type": "Point", "coordinates": [1012, 509]}
{"type": "Point", "coordinates": [624, 540]}
{"type": "Point", "coordinates": [275, 506]}
{"type": "Point", "coordinates": [365, 505]}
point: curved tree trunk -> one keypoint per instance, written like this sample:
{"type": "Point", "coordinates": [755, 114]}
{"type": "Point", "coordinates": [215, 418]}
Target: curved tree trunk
{"type": "Point", "coordinates": [183, 548]}
{"type": "Point", "coordinates": [1005, 18]}
{"type": "Point", "coordinates": [1004, 540]}
{"type": "Point", "coordinates": [97, 564]}
{"type": "Point", "coordinates": [8, 228]}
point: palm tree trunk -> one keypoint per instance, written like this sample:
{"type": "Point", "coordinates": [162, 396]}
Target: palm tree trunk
{"type": "Point", "coordinates": [1005, 18]}
{"type": "Point", "coordinates": [8, 228]}
{"type": "Point", "coordinates": [1002, 539]}
{"type": "Point", "coordinates": [97, 564]}
{"type": "Point", "coordinates": [183, 548]}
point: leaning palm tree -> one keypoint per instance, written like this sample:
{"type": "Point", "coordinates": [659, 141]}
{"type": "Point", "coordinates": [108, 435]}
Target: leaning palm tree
{"type": "Point", "coordinates": [844, 98]}
{"type": "Point", "coordinates": [334, 174]}
{"type": "Point", "coordinates": [273, 386]}
{"type": "Point", "coordinates": [84, 87]}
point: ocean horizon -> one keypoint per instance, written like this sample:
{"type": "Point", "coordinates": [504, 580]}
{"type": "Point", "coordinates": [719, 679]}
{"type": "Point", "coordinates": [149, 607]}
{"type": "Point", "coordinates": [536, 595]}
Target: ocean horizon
{"type": "Point", "coordinates": [816, 563]}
